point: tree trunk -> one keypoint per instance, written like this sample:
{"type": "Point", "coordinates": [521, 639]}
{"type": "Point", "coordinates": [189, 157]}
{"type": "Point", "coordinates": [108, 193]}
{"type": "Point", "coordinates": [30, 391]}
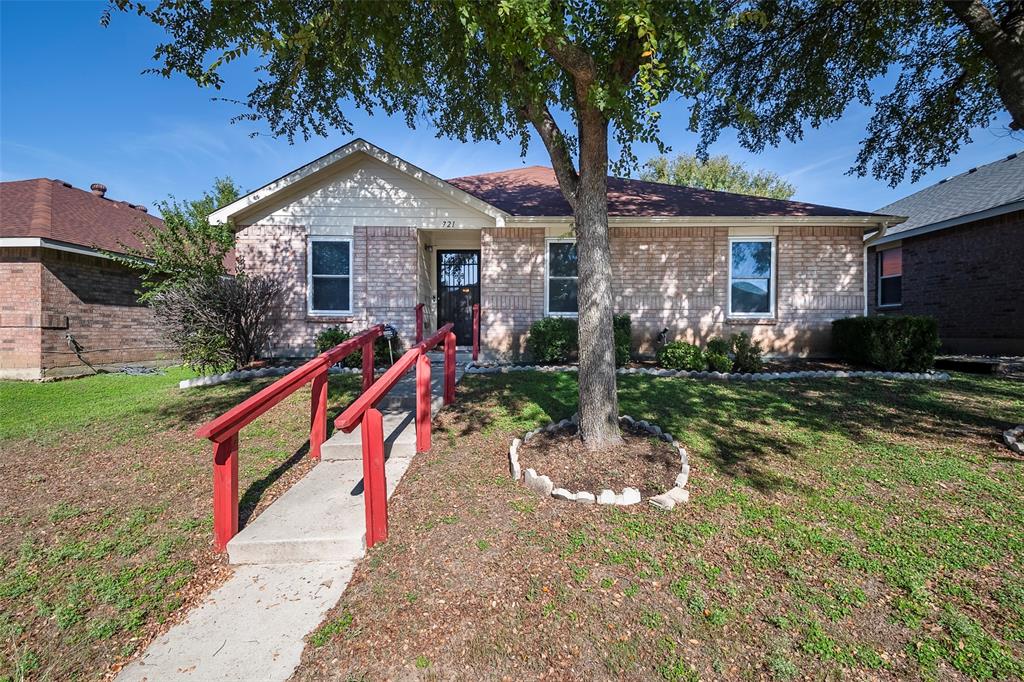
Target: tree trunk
{"type": "Point", "coordinates": [1003, 49]}
{"type": "Point", "coordinates": [598, 402]}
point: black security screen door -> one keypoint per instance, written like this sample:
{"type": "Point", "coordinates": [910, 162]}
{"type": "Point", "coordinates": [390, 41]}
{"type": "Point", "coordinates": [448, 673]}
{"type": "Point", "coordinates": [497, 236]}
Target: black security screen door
{"type": "Point", "coordinates": [458, 288]}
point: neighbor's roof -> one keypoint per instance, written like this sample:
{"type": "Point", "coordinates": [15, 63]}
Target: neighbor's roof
{"type": "Point", "coordinates": [54, 210]}
{"type": "Point", "coordinates": [987, 190]}
{"type": "Point", "coordinates": [534, 191]}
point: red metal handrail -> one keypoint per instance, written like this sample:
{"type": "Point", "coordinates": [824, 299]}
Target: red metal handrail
{"type": "Point", "coordinates": [363, 413]}
{"type": "Point", "coordinates": [223, 430]}
{"type": "Point", "coordinates": [476, 331]}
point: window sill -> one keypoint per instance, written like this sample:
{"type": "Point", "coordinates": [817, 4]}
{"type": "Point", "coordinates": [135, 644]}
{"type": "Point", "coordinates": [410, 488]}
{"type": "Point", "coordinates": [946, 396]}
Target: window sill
{"type": "Point", "coordinates": [889, 306]}
{"type": "Point", "coordinates": [751, 320]}
{"type": "Point", "coordinates": [572, 315]}
{"type": "Point", "coordinates": [343, 318]}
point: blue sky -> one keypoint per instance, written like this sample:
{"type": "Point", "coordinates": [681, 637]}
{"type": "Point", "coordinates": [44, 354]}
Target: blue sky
{"type": "Point", "coordinates": [75, 106]}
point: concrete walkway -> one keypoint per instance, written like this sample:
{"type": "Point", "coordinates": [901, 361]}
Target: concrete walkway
{"type": "Point", "coordinates": [297, 557]}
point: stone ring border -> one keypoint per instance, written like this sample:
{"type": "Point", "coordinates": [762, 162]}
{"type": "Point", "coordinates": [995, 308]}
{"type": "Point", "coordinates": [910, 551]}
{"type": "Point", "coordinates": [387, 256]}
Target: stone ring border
{"type": "Point", "coordinates": [1014, 439]}
{"type": "Point", "coordinates": [247, 374]}
{"type": "Point", "coordinates": [678, 494]}
{"type": "Point", "coordinates": [479, 368]}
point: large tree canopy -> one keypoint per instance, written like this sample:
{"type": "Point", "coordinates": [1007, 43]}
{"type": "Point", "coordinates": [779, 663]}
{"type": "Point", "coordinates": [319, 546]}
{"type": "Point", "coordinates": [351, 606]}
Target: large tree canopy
{"type": "Point", "coordinates": [718, 173]}
{"type": "Point", "coordinates": [782, 64]}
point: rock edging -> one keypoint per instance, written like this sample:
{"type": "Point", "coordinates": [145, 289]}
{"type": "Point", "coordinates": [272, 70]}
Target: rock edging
{"type": "Point", "coordinates": [247, 374]}
{"type": "Point", "coordinates": [542, 484]}
{"type": "Point", "coordinates": [491, 368]}
{"type": "Point", "coordinates": [1014, 439]}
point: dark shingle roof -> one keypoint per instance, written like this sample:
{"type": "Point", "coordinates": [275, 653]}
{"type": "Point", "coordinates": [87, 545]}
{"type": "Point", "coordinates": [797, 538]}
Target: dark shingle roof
{"type": "Point", "coordinates": [534, 191]}
{"type": "Point", "coordinates": [51, 209]}
{"type": "Point", "coordinates": [979, 189]}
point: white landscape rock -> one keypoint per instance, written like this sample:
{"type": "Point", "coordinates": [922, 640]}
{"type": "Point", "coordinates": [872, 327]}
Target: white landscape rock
{"type": "Point", "coordinates": [584, 497]}
{"type": "Point", "coordinates": [684, 477]}
{"type": "Point", "coordinates": [606, 497]}
{"type": "Point", "coordinates": [663, 501]}
{"type": "Point", "coordinates": [679, 495]}
{"type": "Point", "coordinates": [563, 494]}
{"type": "Point", "coordinates": [629, 496]}
{"type": "Point", "coordinates": [540, 484]}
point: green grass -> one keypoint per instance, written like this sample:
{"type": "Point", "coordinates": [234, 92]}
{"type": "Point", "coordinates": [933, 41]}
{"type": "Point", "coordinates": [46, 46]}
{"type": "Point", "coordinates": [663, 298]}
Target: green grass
{"type": "Point", "coordinates": [106, 521]}
{"type": "Point", "coordinates": [837, 529]}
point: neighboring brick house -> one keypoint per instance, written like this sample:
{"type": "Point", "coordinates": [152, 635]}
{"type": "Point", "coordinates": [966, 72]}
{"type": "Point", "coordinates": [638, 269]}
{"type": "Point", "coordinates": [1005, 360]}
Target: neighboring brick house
{"type": "Point", "coordinates": [359, 236]}
{"type": "Point", "coordinates": [959, 257]}
{"type": "Point", "coordinates": [57, 286]}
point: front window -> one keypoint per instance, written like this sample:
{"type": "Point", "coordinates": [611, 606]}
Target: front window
{"type": "Point", "coordinates": [890, 277]}
{"type": "Point", "coordinates": [751, 262]}
{"type": "Point", "coordinates": [330, 275]}
{"type": "Point", "coordinates": [562, 278]}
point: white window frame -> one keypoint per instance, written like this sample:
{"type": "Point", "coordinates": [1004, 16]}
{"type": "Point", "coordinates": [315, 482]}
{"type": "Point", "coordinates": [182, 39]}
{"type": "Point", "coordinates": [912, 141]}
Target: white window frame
{"type": "Point", "coordinates": [773, 278]}
{"type": "Point", "coordinates": [547, 277]}
{"type": "Point", "coordinates": [309, 275]}
{"type": "Point", "coordinates": [879, 277]}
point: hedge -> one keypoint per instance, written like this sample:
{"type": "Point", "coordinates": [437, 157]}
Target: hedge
{"type": "Point", "coordinates": [556, 339]}
{"type": "Point", "coordinates": [895, 343]}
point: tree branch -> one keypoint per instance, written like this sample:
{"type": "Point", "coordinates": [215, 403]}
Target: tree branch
{"type": "Point", "coordinates": [554, 141]}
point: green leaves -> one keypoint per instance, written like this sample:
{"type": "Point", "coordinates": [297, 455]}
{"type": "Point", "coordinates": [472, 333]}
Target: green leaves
{"type": "Point", "coordinates": [716, 173]}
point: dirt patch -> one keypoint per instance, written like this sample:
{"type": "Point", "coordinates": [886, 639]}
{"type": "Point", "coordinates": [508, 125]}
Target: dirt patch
{"type": "Point", "coordinates": [641, 462]}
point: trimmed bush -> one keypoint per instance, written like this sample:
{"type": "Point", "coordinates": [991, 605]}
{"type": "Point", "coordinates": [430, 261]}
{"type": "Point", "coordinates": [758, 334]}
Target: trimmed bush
{"type": "Point", "coordinates": [717, 346]}
{"type": "Point", "coordinates": [746, 354]}
{"type": "Point", "coordinates": [681, 355]}
{"type": "Point", "coordinates": [895, 343]}
{"type": "Point", "coordinates": [623, 327]}
{"type": "Point", "coordinates": [332, 336]}
{"type": "Point", "coordinates": [719, 362]}
{"type": "Point", "coordinates": [553, 340]}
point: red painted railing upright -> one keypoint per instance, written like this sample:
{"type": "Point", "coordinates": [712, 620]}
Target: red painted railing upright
{"type": "Point", "coordinates": [476, 331]}
{"type": "Point", "coordinates": [223, 430]}
{"type": "Point", "coordinates": [419, 322]}
{"type": "Point", "coordinates": [363, 413]}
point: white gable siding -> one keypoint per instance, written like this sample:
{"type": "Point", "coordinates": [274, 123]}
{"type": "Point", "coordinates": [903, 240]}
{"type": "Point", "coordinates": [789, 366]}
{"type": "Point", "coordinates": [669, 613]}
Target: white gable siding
{"type": "Point", "coordinates": [366, 193]}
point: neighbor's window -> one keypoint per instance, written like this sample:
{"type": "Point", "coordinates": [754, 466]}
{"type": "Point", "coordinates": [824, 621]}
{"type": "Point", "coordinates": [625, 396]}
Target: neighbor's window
{"type": "Point", "coordinates": [330, 275]}
{"type": "Point", "coordinates": [750, 277]}
{"type": "Point", "coordinates": [562, 279]}
{"type": "Point", "coordinates": [890, 276]}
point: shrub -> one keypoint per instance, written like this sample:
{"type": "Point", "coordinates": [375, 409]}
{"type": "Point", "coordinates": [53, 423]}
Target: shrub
{"type": "Point", "coordinates": [332, 336]}
{"type": "Point", "coordinates": [553, 339]}
{"type": "Point", "coordinates": [217, 323]}
{"type": "Point", "coordinates": [680, 355]}
{"type": "Point", "coordinates": [719, 362]}
{"type": "Point", "coordinates": [746, 354]}
{"type": "Point", "coordinates": [623, 327]}
{"type": "Point", "coordinates": [717, 346]}
{"type": "Point", "coordinates": [904, 343]}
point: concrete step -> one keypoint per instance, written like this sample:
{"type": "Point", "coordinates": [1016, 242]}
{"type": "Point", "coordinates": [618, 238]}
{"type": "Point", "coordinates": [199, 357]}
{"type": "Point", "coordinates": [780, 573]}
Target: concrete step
{"type": "Point", "coordinates": [320, 518]}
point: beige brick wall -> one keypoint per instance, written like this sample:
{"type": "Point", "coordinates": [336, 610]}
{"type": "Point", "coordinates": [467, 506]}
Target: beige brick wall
{"type": "Point", "coordinates": [677, 278]}
{"type": "Point", "coordinates": [20, 313]}
{"type": "Point", "coordinates": [384, 265]}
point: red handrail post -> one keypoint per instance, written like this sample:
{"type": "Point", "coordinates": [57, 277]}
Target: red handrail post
{"type": "Point", "coordinates": [368, 359]}
{"type": "Point", "coordinates": [225, 491]}
{"type": "Point", "coordinates": [318, 414]}
{"type": "Point", "coordinates": [419, 322]}
{"type": "Point", "coordinates": [375, 491]}
{"type": "Point", "coordinates": [449, 368]}
{"type": "Point", "coordinates": [422, 403]}
{"type": "Point", "coordinates": [476, 331]}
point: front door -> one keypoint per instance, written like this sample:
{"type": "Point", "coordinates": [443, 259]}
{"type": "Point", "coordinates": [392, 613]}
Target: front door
{"type": "Point", "coordinates": [458, 288]}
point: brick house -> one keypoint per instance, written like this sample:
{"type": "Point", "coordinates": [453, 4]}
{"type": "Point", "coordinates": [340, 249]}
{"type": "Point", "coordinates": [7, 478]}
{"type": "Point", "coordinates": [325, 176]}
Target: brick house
{"type": "Point", "coordinates": [360, 236]}
{"type": "Point", "coordinates": [58, 287]}
{"type": "Point", "coordinates": [959, 258]}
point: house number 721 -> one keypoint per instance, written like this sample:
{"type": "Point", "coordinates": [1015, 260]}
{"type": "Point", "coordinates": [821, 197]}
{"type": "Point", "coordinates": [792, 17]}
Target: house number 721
{"type": "Point", "coordinates": [447, 223]}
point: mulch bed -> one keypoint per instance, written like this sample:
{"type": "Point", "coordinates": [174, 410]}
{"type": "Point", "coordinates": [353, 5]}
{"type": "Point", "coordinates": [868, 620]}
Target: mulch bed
{"type": "Point", "coordinates": [641, 462]}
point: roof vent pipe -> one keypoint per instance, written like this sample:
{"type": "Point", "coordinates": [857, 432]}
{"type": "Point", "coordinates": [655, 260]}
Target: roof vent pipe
{"type": "Point", "coordinates": [98, 189]}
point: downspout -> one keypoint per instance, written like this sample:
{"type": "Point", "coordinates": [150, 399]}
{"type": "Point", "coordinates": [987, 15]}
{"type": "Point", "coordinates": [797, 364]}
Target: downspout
{"type": "Point", "coordinates": [883, 227]}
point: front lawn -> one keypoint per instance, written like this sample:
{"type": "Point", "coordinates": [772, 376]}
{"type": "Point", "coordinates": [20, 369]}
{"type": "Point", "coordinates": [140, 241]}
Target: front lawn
{"type": "Point", "coordinates": [105, 510]}
{"type": "Point", "coordinates": [865, 529]}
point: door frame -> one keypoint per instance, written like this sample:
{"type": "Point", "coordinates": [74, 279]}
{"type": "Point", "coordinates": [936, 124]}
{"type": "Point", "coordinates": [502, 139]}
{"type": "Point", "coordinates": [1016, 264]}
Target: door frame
{"type": "Point", "coordinates": [437, 281]}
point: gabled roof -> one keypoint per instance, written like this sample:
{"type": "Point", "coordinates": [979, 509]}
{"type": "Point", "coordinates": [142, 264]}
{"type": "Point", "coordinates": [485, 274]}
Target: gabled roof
{"type": "Point", "coordinates": [981, 192]}
{"type": "Point", "coordinates": [534, 191]}
{"type": "Point", "coordinates": [54, 210]}
{"type": "Point", "coordinates": [321, 166]}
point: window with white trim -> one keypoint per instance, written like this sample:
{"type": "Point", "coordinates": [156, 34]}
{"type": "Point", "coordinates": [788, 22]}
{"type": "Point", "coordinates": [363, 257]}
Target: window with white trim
{"type": "Point", "coordinates": [329, 268]}
{"type": "Point", "coordinates": [890, 276]}
{"type": "Point", "coordinates": [560, 296]}
{"type": "Point", "coordinates": [751, 277]}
